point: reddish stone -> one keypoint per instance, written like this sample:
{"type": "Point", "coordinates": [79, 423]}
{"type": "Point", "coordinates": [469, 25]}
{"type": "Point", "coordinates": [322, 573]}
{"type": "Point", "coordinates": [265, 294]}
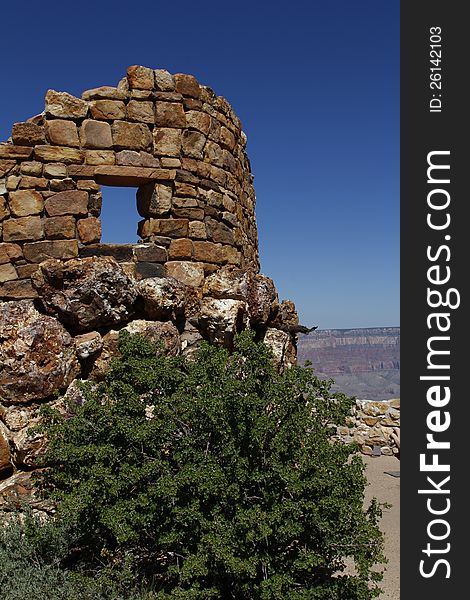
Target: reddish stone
{"type": "Point", "coordinates": [173, 228]}
{"type": "Point", "coordinates": [189, 273]}
{"type": "Point", "coordinates": [180, 249]}
{"type": "Point", "coordinates": [26, 202]}
{"type": "Point", "coordinates": [58, 228]}
{"type": "Point", "coordinates": [141, 78]}
{"type": "Point", "coordinates": [65, 106]}
{"type": "Point", "coordinates": [17, 290]}
{"type": "Point", "coordinates": [140, 111]}
{"type": "Point", "coordinates": [187, 85]}
{"type": "Point", "coordinates": [100, 157]}
{"type": "Point", "coordinates": [108, 109]}
{"type": "Point", "coordinates": [131, 176]}
{"type": "Point", "coordinates": [58, 154]}
{"type": "Point", "coordinates": [104, 92]}
{"type": "Point", "coordinates": [23, 229]}
{"type": "Point", "coordinates": [27, 181]}
{"type": "Point", "coordinates": [73, 202]}
{"type": "Point", "coordinates": [62, 133]}
{"type": "Point", "coordinates": [167, 141]}
{"type": "Point", "coordinates": [135, 136]}
{"type": "Point", "coordinates": [27, 134]}
{"type": "Point", "coordinates": [193, 144]}
{"type": "Point", "coordinates": [38, 252]}
{"type": "Point", "coordinates": [169, 114]}
{"type": "Point", "coordinates": [198, 120]}
{"type": "Point", "coordinates": [10, 252]}
{"type": "Point", "coordinates": [89, 230]}
{"type": "Point", "coordinates": [150, 253]}
{"type": "Point", "coordinates": [11, 151]}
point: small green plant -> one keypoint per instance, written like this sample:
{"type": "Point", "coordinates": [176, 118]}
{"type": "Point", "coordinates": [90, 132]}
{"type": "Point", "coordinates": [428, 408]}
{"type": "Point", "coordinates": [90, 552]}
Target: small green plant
{"type": "Point", "coordinates": [215, 478]}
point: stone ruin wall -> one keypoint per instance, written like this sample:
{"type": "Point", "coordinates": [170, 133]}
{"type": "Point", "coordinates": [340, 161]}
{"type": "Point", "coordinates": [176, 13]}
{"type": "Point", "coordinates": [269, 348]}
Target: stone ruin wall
{"type": "Point", "coordinates": [174, 140]}
{"type": "Point", "coordinates": [374, 426]}
{"type": "Point", "coordinates": [64, 296]}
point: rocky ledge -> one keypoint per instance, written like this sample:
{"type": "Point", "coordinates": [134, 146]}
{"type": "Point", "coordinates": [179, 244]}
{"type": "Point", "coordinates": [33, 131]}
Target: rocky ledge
{"type": "Point", "coordinates": [70, 332]}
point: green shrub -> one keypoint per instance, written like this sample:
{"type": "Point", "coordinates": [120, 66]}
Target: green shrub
{"type": "Point", "coordinates": [214, 479]}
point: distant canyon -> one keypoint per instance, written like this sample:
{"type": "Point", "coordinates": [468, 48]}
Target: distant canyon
{"type": "Point", "coordinates": [363, 362]}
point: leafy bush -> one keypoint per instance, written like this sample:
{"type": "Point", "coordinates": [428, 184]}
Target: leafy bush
{"type": "Point", "coordinates": [214, 479]}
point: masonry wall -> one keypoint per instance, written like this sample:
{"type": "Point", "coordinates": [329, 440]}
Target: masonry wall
{"type": "Point", "coordinates": [179, 144]}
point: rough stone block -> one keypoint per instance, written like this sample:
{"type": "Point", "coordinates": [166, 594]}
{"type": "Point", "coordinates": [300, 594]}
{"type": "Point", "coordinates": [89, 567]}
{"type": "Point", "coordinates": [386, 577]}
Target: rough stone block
{"type": "Point", "coordinates": [199, 120]}
{"type": "Point", "coordinates": [105, 92]}
{"type": "Point", "coordinates": [6, 166]}
{"type": "Point", "coordinates": [154, 199]}
{"type": "Point", "coordinates": [10, 151]}
{"type": "Point", "coordinates": [23, 229]}
{"type": "Point", "coordinates": [193, 144]}
{"type": "Point", "coordinates": [189, 273]}
{"type": "Point", "coordinates": [164, 81]}
{"type": "Point", "coordinates": [100, 157]}
{"type": "Point", "coordinates": [197, 230]}
{"type": "Point", "coordinates": [187, 85]}
{"type": "Point", "coordinates": [61, 185]}
{"type": "Point", "coordinates": [28, 181]}
{"type": "Point", "coordinates": [219, 232]}
{"type": "Point", "coordinates": [150, 253]}
{"type": "Point", "coordinates": [38, 252]}
{"type": "Point", "coordinates": [62, 133]}
{"type": "Point", "coordinates": [19, 289]}
{"type": "Point", "coordinates": [65, 106]}
{"type": "Point", "coordinates": [89, 230]}
{"type": "Point", "coordinates": [95, 134]}
{"type": "Point", "coordinates": [131, 176]}
{"type": "Point", "coordinates": [26, 202]}
{"type": "Point", "coordinates": [58, 154]}
{"type": "Point", "coordinates": [7, 272]}
{"type": "Point", "coordinates": [169, 114]}
{"type": "Point", "coordinates": [27, 134]}
{"type": "Point", "coordinates": [135, 136]}
{"type": "Point", "coordinates": [145, 270]}
{"type": "Point", "coordinates": [10, 252]}
{"type": "Point", "coordinates": [173, 228]}
{"type": "Point", "coordinates": [108, 110]}
{"type": "Point", "coordinates": [74, 202]}
{"type": "Point", "coordinates": [129, 158]}
{"type": "Point", "coordinates": [31, 168]}
{"type": "Point", "coordinates": [4, 210]}
{"type": "Point", "coordinates": [141, 78]}
{"type": "Point", "coordinates": [55, 170]}
{"type": "Point", "coordinates": [167, 141]}
{"type": "Point", "coordinates": [141, 111]}
{"type": "Point", "coordinates": [58, 228]}
{"type": "Point", "coordinates": [180, 249]}
{"type": "Point", "coordinates": [193, 214]}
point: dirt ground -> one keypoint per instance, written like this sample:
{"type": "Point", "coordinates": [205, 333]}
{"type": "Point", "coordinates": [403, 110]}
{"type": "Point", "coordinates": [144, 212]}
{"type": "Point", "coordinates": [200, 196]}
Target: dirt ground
{"type": "Point", "coordinates": [386, 488]}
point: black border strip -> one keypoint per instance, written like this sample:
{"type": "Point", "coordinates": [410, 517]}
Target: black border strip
{"type": "Point", "coordinates": [434, 120]}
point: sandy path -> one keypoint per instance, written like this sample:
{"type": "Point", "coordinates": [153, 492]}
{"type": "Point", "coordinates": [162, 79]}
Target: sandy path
{"type": "Point", "coordinates": [386, 488]}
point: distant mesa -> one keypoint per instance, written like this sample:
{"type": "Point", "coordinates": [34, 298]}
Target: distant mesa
{"type": "Point", "coordinates": [364, 362]}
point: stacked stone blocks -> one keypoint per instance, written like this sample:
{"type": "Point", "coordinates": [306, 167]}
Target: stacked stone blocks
{"type": "Point", "coordinates": [173, 139]}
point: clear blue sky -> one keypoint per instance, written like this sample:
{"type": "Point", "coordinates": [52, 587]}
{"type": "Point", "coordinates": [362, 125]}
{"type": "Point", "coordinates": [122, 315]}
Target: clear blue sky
{"type": "Point", "coordinates": [316, 85]}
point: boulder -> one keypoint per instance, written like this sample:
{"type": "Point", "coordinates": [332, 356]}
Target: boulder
{"type": "Point", "coordinates": [282, 347]}
{"type": "Point", "coordinates": [37, 354]}
{"type": "Point", "coordinates": [18, 490]}
{"type": "Point", "coordinates": [167, 298]}
{"type": "Point", "coordinates": [262, 299]}
{"type": "Point", "coordinates": [227, 282]}
{"type": "Point", "coordinates": [221, 319]}
{"type": "Point", "coordinates": [86, 293]}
